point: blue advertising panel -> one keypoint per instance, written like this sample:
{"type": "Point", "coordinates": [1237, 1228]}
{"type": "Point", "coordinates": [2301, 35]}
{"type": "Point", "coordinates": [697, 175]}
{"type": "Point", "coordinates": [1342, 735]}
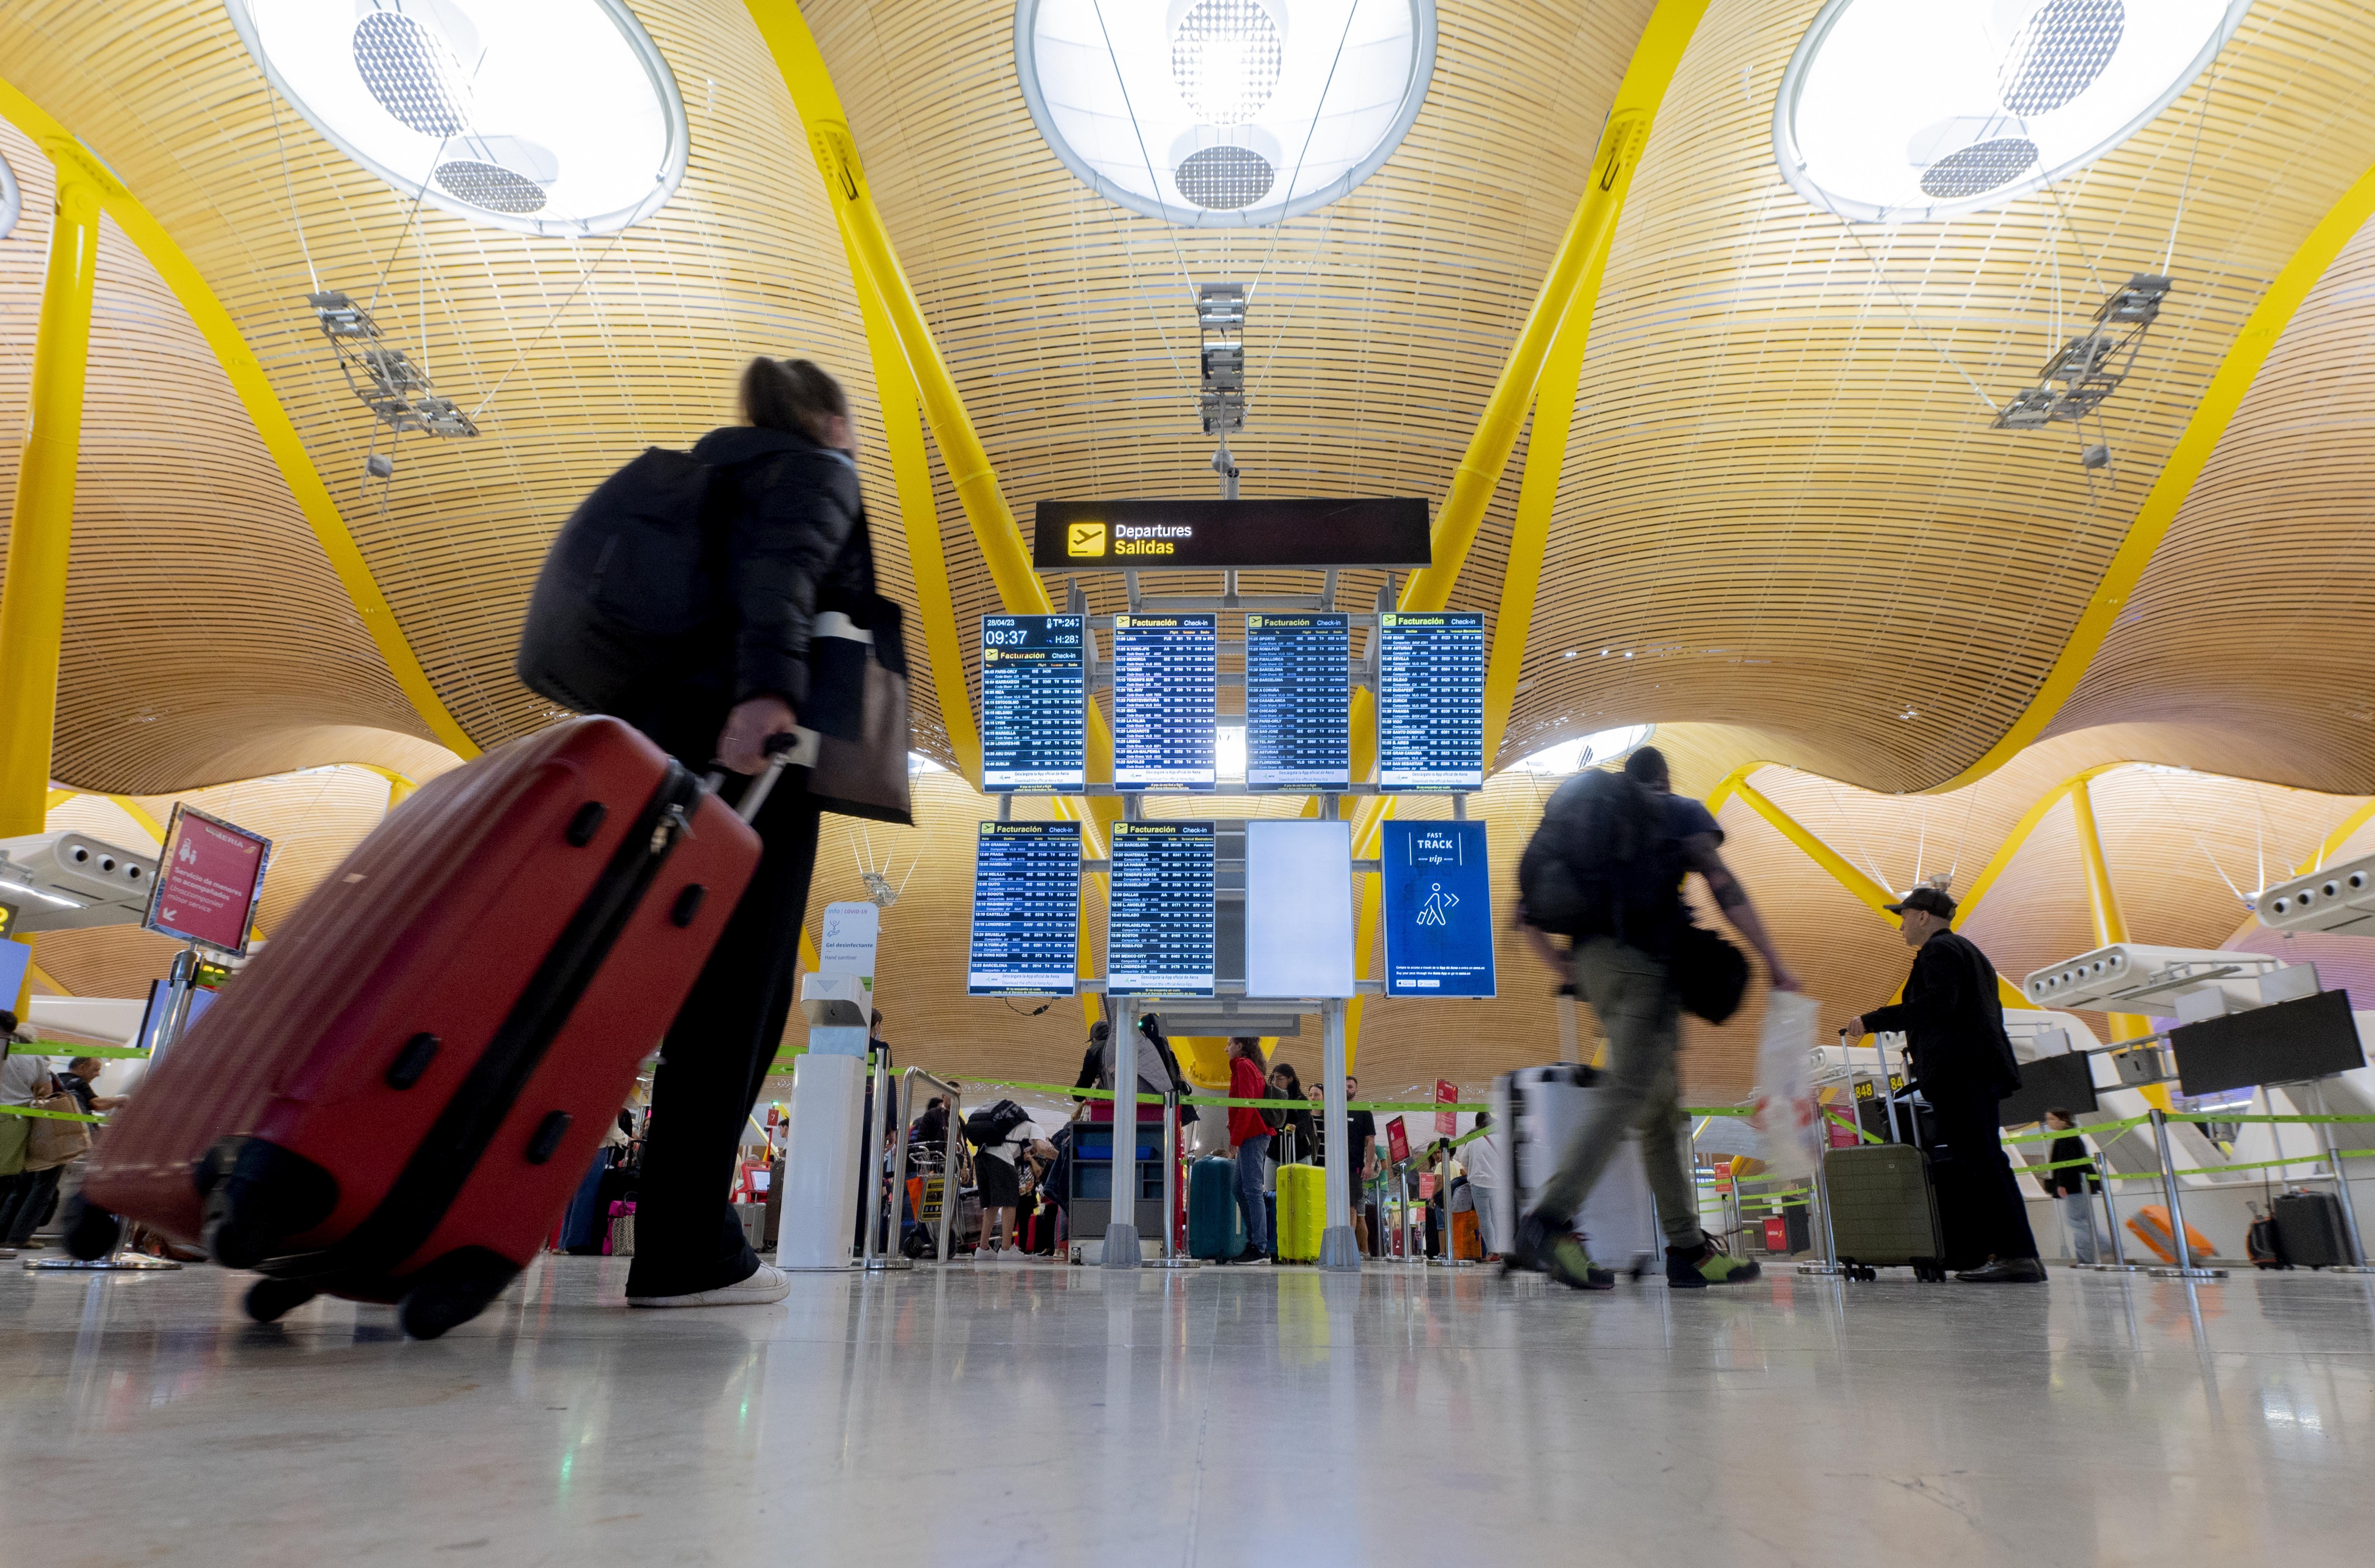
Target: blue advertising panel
{"type": "Point", "coordinates": [1026, 910]}
{"type": "Point", "coordinates": [1438, 899]}
{"type": "Point", "coordinates": [1033, 696]}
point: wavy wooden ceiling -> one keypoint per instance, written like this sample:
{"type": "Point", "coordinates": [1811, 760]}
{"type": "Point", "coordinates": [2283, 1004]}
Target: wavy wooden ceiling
{"type": "Point", "coordinates": [1377, 323]}
{"type": "Point", "coordinates": [2250, 642]}
{"type": "Point", "coordinates": [207, 636]}
{"type": "Point", "coordinates": [743, 259]}
{"type": "Point", "coordinates": [1790, 509]}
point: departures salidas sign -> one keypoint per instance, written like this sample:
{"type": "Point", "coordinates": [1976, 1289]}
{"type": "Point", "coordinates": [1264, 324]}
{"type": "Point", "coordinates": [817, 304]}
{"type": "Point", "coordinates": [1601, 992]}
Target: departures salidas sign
{"type": "Point", "coordinates": [1205, 536]}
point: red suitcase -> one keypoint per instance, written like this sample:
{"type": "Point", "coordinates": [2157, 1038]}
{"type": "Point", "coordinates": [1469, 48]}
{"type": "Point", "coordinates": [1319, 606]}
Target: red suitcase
{"type": "Point", "coordinates": [395, 1098]}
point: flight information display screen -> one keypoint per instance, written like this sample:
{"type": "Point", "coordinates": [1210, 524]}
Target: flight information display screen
{"type": "Point", "coordinates": [1166, 669]}
{"type": "Point", "coordinates": [1026, 910]}
{"type": "Point", "coordinates": [1298, 702]}
{"type": "Point", "coordinates": [1158, 936]}
{"type": "Point", "coordinates": [1431, 702]}
{"type": "Point", "coordinates": [1034, 692]}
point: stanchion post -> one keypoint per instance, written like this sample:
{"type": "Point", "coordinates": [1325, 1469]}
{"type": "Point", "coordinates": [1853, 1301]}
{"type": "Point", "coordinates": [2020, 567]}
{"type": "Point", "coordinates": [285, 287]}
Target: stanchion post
{"type": "Point", "coordinates": [878, 1119]}
{"type": "Point", "coordinates": [1169, 1255]}
{"type": "Point", "coordinates": [1340, 1244]}
{"type": "Point", "coordinates": [2118, 1264]}
{"type": "Point", "coordinates": [949, 1166]}
{"type": "Point", "coordinates": [1121, 1230]}
{"type": "Point", "coordinates": [2185, 1269]}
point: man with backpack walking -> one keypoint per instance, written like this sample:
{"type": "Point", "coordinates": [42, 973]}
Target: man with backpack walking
{"type": "Point", "coordinates": [1605, 870]}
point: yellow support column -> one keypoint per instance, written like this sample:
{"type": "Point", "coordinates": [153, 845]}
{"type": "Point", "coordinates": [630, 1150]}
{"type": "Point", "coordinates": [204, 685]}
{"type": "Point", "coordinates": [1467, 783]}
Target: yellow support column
{"type": "Point", "coordinates": [41, 532]}
{"type": "Point", "coordinates": [2103, 900]}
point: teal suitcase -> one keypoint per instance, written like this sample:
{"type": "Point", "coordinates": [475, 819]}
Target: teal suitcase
{"type": "Point", "coordinates": [1215, 1229]}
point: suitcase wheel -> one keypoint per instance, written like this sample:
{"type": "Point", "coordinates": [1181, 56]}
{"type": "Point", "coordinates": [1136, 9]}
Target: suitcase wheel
{"type": "Point", "coordinates": [453, 1291]}
{"type": "Point", "coordinates": [268, 1300]}
{"type": "Point", "coordinates": [90, 1232]}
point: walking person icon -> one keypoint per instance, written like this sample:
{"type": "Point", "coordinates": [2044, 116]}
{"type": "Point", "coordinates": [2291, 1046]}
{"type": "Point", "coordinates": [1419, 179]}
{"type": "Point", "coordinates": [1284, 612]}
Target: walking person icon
{"type": "Point", "coordinates": [1437, 910]}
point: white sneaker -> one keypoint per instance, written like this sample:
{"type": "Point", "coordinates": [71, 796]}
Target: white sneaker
{"type": "Point", "coordinates": [769, 1284]}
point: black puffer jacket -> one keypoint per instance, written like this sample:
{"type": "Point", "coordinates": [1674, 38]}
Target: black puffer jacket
{"type": "Point", "coordinates": [796, 505]}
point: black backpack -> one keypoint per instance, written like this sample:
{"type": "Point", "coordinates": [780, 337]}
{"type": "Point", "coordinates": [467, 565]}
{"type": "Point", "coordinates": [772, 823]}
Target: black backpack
{"type": "Point", "coordinates": [1595, 866]}
{"type": "Point", "coordinates": [991, 1126]}
{"type": "Point", "coordinates": [634, 574]}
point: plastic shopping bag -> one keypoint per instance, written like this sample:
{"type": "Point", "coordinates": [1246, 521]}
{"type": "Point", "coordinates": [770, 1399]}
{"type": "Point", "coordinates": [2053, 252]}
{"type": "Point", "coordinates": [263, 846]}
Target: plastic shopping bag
{"type": "Point", "coordinates": [1785, 1118]}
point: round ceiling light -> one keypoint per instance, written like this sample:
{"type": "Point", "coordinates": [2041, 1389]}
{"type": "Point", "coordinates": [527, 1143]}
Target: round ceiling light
{"type": "Point", "coordinates": [554, 117]}
{"type": "Point", "coordinates": [1223, 112]}
{"type": "Point", "coordinates": [12, 200]}
{"type": "Point", "coordinates": [1905, 111]}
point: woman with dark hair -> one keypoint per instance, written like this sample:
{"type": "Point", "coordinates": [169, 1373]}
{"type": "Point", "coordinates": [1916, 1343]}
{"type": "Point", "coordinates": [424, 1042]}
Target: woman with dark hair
{"type": "Point", "coordinates": [1286, 1084]}
{"type": "Point", "coordinates": [784, 499]}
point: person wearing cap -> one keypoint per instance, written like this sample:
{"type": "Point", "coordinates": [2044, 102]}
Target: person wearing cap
{"type": "Point", "coordinates": [1953, 1022]}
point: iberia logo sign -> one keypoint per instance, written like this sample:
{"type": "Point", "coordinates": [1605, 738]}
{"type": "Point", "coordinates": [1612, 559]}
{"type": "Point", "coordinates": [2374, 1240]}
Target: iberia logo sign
{"type": "Point", "coordinates": [1085, 539]}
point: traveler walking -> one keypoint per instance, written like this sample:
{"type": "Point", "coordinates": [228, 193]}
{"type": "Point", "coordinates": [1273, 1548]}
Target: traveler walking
{"type": "Point", "coordinates": [1249, 1145]}
{"type": "Point", "coordinates": [1606, 869]}
{"type": "Point", "coordinates": [1483, 1155]}
{"type": "Point", "coordinates": [1952, 1023]}
{"type": "Point", "coordinates": [2073, 1185]}
{"type": "Point", "coordinates": [784, 509]}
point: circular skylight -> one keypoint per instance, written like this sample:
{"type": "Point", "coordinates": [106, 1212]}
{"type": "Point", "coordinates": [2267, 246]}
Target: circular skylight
{"type": "Point", "coordinates": [1902, 110]}
{"type": "Point", "coordinates": [1218, 112]}
{"type": "Point", "coordinates": [547, 116]}
{"type": "Point", "coordinates": [12, 200]}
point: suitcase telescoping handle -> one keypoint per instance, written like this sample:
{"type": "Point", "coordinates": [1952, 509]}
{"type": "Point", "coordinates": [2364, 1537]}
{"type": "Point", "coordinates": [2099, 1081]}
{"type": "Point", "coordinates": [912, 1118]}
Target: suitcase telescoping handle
{"type": "Point", "coordinates": [779, 749]}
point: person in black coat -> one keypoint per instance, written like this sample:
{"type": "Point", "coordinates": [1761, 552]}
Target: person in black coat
{"type": "Point", "coordinates": [787, 511]}
{"type": "Point", "coordinates": [1953, 1022]}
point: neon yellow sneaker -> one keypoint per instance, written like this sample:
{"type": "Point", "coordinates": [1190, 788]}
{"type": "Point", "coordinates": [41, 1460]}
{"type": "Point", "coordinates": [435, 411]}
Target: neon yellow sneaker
{"type": "Point", "coordinates": [1695, 1269]}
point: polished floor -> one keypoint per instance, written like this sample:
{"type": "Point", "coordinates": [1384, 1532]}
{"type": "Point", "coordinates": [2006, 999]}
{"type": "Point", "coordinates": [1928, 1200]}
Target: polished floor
{"type": "Point", "coordinates": [1044, 1415]}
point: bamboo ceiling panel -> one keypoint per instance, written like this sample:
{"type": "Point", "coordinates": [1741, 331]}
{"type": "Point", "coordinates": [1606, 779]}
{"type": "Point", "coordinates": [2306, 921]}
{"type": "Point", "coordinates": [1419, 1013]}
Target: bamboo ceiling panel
{"type": "Point", "coordinates": [207, 636]}
{"type": "Point", "coordinates": [2251, 637]}
{"type": "Point", "coordinates": [1782, 498]}
{"type": "Point", "coordinates": [576, 354]}
{"type": "Point", "coordinates": [1377, 323]}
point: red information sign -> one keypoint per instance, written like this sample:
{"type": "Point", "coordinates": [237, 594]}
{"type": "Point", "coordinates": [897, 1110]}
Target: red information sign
{"type": "Point", "coordinates": [1396, 1142]}
{"type": "Point", "coordinates": [1426, 1189]}
{"type": "Point", "coordinates": [1446, 1093]}
{"type": "Point", "coordinates": [208, 878]}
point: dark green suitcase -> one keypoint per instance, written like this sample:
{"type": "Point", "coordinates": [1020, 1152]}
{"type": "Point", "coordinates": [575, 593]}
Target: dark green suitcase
{"type": "Point", "coordinates": [1884, 1209]}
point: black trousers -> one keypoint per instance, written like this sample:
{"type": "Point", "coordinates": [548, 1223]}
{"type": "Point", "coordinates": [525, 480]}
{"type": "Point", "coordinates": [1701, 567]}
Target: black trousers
{"type": "Point", "coordinates": [714, 1063]}
{"type": "Point", "coordinates": [30, 1197]}
{"type": "Point", "coordinates": [1979, 1206]}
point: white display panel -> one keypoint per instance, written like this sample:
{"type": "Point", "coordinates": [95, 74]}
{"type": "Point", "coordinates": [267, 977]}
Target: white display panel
{"type": "Point", "coordinates": [1298, 909]}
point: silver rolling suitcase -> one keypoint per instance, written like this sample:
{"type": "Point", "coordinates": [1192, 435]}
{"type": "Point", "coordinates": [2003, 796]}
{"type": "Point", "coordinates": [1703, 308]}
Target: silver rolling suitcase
{"type": "Point", "coordinates": [1541, 1108]}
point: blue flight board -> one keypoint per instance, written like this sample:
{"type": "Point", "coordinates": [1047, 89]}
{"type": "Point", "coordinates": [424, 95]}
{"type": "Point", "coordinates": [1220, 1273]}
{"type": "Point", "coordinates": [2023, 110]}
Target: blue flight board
{"type": "Point", "coordinates": [1026, 910]}
{"type": "Point", "coordinates": [1033, 703]}
{"type": "Point", "coordinates": [1298, 702]}
{"type": "Point", "coordinates": [1438, 909]}
{"type": "Point", "coordinates": [1431, 702]}
{"type": "Point", "coordinates": [1166, 670]}
{"type": "Point", "coordinates": [1159, 916]}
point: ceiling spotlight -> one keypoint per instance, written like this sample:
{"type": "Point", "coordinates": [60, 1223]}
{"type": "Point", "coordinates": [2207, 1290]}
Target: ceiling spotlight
{"type": "Point", "coordinates": [547, 116]}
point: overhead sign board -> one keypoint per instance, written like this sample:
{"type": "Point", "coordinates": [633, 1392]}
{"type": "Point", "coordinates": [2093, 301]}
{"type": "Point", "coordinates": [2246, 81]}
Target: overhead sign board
{"type": "Point", "coordinates": [1026, 910]}
{"type": "Point", "coordinates": [1204, 536]}
{"type": "Point", "coordinates": [209, 876]}
{"type": "Point", "coordinates": [1034, 692]}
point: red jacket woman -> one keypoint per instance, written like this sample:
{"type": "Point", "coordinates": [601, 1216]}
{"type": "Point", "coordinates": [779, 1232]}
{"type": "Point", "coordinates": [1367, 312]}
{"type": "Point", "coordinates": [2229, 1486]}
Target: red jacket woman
{"type": "Point", "coordinates": [1246, 1083]}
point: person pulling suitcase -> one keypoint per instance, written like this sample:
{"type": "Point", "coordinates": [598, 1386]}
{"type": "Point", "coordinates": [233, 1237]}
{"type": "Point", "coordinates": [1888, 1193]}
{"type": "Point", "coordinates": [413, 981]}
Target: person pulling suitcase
{"type": "Point", "coordinates": [1606, 869]}
{"type": "Point", "coordinates": [1953, 1024]}
{"type": "Point", "coordinates": [780, 507]}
